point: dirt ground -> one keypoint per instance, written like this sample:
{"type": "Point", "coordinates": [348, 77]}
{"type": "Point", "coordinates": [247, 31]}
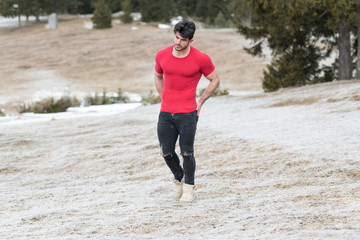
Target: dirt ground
{"type": "Point", "coordinates": [74, 59]}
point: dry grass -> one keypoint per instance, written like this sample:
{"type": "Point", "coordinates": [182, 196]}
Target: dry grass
{"type": "Point", "coordinates": [294, 102]}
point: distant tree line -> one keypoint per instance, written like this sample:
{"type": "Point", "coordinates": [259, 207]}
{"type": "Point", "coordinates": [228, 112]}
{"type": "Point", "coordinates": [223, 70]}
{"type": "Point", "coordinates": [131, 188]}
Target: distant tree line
{"type": "Point", "coordinates": [151, 10]}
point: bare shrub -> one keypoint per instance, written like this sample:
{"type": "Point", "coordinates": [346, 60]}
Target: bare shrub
{"type": "Point", "coordinates": [50, 105]}
{"type": "Point", "coordinates": [151, 98]}
{"type": "Point", "coordinates": [104, 98]}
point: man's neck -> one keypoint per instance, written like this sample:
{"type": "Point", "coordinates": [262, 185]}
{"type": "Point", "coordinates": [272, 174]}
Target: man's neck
{"type": "Point", "coordinates": [182, 53]}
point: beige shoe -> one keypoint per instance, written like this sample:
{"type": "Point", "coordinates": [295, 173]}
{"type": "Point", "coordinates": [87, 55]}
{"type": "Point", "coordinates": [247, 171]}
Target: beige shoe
{"type": "Point", "coordinates": [178, 189]}
{"type": "Point", "coordinates": [187, 195]}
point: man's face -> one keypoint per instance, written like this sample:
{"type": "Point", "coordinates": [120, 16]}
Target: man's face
{"type": "Point", "coordinates": [181, 43]}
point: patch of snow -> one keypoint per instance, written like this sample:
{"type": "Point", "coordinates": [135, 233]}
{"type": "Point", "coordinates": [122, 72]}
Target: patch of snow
{"type": "Point", "coordinates": [136, 16]}
{"type": "Point", "coordinates": [86, 15]}
{"type": "Point", "coordinates": [174, 21]}
{"type": "Point", "coordinates": [14, 22]}
{"type": "Point", "coordinates": [105, 109]}
{"type": "Point", "coordinates": [164, 26]}
{"type": "Point", "coordinates": [73, 112]}
{"type": "Point", "coordinates": [118, 14]}
{"type": "Point", "coordinates": [88, 25]}
{"type": "Point", "coordinates": [245, 93]}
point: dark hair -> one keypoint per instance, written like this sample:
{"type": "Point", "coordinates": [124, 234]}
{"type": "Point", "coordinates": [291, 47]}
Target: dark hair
{"type": "Point", "coordinates": [186, 28]}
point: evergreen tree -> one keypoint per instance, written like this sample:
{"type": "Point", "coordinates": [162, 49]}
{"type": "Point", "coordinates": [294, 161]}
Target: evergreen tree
{"type": "Point", "coordinates": [127, 8]}
{"type": "Point", "coordinates": [201, 10]}
{"type": "Point", "coordinates": [7, 8]}
{"type": "Point", "coordinates": [102, 15]}
{"type": "Point", "coordinates": [85, 7]}
{"type": "Point", "coordinates": [220, 20]}
{"type": "Point", "coordinates": [156, 10]}
{"type": "Point", "coordinates": [214, 8]}
{"type": "Point", "coordinates": [239, 11]}
{"type": "Point", "coordinates": [185, 8]}
{"type": "Point", "coordinates": [115, 5]}
{"type": "Point", "coordinates": [288, 25]}
{"type": "Point", "coordinates": [291, 30]}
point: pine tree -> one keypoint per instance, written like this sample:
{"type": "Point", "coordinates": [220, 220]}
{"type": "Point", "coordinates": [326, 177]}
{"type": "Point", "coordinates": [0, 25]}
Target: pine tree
{"type": "Point", "coordinates": [220, 20]}
{"type": "Point", "coordinates": [127, 9]}
{"type": "Point", "coordinates": [202, 10]}
{"type": "Point", "coordinates": [7, 8]}
{"type": "Point", "coordinates": [185, 8]}
{"type": "Point", "coordinates": [156, 10]}
{"type": "Point", "coordinates": [292, 31]}
{"type": "Point", "coordinates": [102, 15]}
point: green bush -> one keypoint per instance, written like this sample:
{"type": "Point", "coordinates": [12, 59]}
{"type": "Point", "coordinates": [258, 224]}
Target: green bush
{"type": "Point", "coordinates": [151, 98]}
{"type": "Point", "coordinates": [49, 105]}
{"type": "Point", "coordinates": [2, 114]}
{"type": "Point", "coordinates": [102, 15]}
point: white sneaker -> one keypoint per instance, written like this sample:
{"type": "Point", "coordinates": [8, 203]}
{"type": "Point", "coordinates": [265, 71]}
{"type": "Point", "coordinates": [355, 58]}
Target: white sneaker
{"type": "Point", "coordinates": [178, 189]}
{"type": "Point", "coordinates": [187, 195]}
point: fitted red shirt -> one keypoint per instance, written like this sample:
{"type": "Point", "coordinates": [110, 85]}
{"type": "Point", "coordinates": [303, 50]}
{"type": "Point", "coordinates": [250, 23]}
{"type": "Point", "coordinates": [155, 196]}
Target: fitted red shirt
{"type": "Point", "coordinates": [181, 77]}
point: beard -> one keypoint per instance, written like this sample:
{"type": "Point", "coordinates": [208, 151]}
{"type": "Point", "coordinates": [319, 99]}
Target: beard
{"type": "Point", "coordinates": [179, 48]}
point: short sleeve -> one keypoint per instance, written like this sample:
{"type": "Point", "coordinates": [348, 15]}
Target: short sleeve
{"type": "Point", "coordinates": [158, 67]}
{"type": "Point", "coordinates": [207, 65]}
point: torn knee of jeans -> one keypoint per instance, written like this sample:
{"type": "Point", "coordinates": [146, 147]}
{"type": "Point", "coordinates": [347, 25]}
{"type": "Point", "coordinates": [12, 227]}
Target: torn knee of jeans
{"type": "Point", "coordinates": [164, 154]}
{"type": "Point", "coordinates": [186, 154]}
{"type": "Point", "coordinates": [167, 156]}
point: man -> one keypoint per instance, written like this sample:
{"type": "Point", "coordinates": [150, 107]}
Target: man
{"type": "Point", "coordinates": [179, 68]}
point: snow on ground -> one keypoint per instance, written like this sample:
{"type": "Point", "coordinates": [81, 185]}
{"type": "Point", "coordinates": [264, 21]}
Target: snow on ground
{"type": "Point", "coordinates": [282, 165]}
{"type": "Point", "coordinates": [14, 22]}
{"type": "Point", "coordinates": [73, 112]}
{"type": "Point", "coordinates": [88, 25]}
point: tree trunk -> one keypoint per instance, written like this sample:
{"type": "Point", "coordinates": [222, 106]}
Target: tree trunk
{"type": "Point", "coordinates": [358, 44]}
{"type": "Point", "coordinates": [19, 19]}
{"type": "Point", "coordinates": [345, 61]}
{"type": "Point", "coordinates": [249, 19]}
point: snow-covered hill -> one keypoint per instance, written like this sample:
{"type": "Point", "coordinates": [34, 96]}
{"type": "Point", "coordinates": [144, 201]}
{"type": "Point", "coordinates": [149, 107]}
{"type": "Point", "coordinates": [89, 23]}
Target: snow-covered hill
{"type": "Point", "coordinates": [283, 165]}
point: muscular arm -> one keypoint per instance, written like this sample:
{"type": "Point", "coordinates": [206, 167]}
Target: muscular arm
{"type": "Point", "coordinates": [159, 83]}
{"type": "Point", "coordinates": [214, 83]}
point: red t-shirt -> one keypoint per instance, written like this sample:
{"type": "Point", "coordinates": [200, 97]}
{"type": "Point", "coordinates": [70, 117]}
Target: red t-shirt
{"type": "Point", "coordinates": [181, 77]}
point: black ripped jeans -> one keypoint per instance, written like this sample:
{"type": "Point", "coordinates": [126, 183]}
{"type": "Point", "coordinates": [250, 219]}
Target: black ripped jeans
{"type": "Point", "coordinates": [170, 127]}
